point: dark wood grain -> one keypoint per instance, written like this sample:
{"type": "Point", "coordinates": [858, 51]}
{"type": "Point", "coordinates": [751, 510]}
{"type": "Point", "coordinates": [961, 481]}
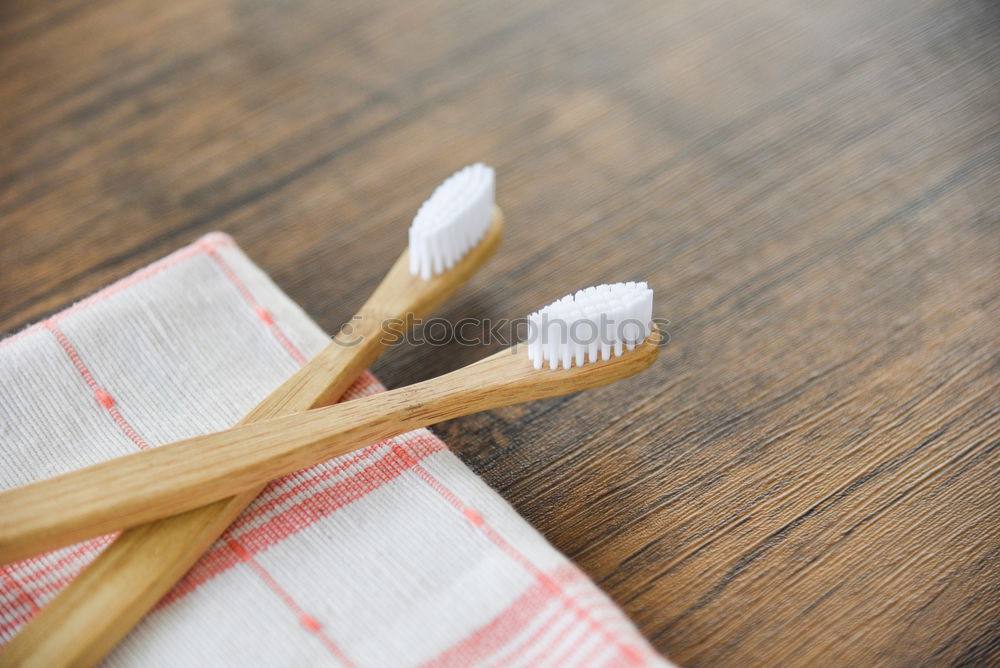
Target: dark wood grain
{"type": "Point", "coordinates": [810, 475]}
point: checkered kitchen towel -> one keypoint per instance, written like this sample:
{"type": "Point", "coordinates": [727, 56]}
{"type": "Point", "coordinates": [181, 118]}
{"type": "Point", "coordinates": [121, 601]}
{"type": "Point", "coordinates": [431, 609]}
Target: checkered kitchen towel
{"type": "Point", "coordinates": [394, 555]}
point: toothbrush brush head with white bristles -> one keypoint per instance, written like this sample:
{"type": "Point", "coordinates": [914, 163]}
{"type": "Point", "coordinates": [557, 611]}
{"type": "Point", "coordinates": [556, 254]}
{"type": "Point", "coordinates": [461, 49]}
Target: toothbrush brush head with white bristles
{"type": "Point", "coordinates": [454, 219]}
{"type": "Point", "coordinates": [591, 323]}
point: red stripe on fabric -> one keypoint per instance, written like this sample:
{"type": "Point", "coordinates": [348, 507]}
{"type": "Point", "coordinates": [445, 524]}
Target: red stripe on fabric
{"type": "Point", "coordinates": [336, 495]}
{"type": "Point", "coordinates": [257, 511]}
{"type": "Point", "coordinates": [90, 547]}
{"type": "Point", "coordinates": [562, 659]}
{"type": "Point", "coordinates": [489, 639]}
{"type": "Point", "coordinates": [76, 561]}
{"type": "Point", "coordinates": [88, 378]}
{"type": "Point", "coordinates": [564, 575]}
{"type": "Point", "coordinates": [557, 617]}
{"type": "Point", "coordinates": [38, 591]}
{"type": "Point", "coordinates": [29, 607]}
{"type": "Point", "coordinates": [307, 620]}
{"type": "Point", "coordinates": [616, 661]}
{"type": "Point", "coordinates": [22, 595]}
{"type": "Point", "coordinates": [15, 624]}
{"type": "Point", "coordinates": [493, 636]}
{"type": "Point", "coordinates": [631, 654]}
{"type": "Point", "coordinates": [37, 566]}
{"type": "Point", "coordinates": [306, 512]}
{"type": "Point", "coordinates": [263, 314]}
{"type": "Point", "coordinates": [53, 586]}
{"type": "Point", "coordinates": [364, 385]}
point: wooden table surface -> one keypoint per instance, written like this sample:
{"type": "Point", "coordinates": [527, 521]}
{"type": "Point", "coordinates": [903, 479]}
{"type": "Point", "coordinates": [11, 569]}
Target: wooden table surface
{"type": "Point", "coordinates": [810, 474]}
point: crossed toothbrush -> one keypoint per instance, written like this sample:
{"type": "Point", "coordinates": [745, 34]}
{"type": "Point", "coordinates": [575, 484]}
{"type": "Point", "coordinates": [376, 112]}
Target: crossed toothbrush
{"type": "Point", "coordinates": [175, 500]}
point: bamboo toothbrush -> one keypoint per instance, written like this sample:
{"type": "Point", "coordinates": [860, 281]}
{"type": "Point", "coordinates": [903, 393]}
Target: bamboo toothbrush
{"type": "Point", "coordinates": [452, 235]}
{"type": "Point", "coordinates": [175, 478]}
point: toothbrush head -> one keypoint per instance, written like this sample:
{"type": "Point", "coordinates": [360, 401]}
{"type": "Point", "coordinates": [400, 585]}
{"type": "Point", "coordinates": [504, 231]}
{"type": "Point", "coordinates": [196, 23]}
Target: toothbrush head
{"type": "Point", "coordinates": [452, 221]}
{"type": "Point", "coordinates": [591, 324]}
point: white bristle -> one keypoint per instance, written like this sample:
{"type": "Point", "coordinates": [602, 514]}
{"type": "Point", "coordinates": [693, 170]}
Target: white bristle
{"type": "Point", "coordinates": [452, 221]}
{"type": "Point", "coordinates": [591, 324]}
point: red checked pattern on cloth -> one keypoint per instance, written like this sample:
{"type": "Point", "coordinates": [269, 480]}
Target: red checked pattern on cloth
{"type": "Point", "coordinates": [345, 563]}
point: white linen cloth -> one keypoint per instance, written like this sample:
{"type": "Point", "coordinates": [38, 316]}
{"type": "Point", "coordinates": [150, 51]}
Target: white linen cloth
{"type": "Point", "coordinates": [395, 555]}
